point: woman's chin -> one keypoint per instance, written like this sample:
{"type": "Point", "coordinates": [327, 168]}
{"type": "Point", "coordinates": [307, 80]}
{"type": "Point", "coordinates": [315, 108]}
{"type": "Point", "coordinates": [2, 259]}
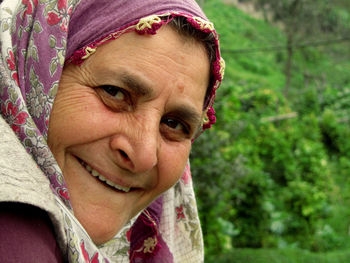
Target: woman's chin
{"type": "Point", "coordinates": [101, 238]}
{"type": "Point", "coordinates": [101, 227]}
{"type": "Point", "coordinates": [102, 233]}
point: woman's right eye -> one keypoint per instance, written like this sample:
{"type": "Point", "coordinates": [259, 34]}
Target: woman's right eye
{"type": "Point", "coordinates": [114, 91]}
{"type": "Point", "coordinates": [117, 99]}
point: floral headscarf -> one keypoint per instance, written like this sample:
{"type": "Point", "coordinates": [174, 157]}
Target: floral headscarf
{"type": "Point", "coordinates": [37, 37]}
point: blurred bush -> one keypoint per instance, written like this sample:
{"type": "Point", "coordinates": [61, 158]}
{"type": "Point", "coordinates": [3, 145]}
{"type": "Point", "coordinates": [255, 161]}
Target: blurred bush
{"type": "Point", "coordinates": [274, 172]}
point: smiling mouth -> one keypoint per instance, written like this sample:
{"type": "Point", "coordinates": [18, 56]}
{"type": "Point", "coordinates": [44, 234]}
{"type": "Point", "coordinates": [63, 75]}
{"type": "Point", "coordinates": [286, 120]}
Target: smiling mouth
{"type": "Point", "coordinates": [103, 179]}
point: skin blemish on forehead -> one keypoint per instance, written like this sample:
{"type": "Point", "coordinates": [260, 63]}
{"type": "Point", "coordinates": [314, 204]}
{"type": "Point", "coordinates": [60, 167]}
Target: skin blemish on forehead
{"type": "Point", "coordinates": [181, 88]}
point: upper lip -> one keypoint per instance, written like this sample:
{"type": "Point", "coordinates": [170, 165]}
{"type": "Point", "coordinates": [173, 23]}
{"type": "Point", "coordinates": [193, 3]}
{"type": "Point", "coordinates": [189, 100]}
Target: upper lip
{"type": "Point", "coordinates": [109, 177]}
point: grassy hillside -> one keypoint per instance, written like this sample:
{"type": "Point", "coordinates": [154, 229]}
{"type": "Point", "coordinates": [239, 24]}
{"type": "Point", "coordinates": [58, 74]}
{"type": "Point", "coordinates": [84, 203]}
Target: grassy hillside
{"type": "Point", "coordinates": [266, 180]}
{"type": "Point", "coordinates": [281, 256]}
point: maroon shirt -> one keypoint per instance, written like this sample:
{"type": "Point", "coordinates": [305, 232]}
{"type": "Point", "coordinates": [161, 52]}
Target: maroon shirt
{"type": "Point", "coordinates": [26, 235]}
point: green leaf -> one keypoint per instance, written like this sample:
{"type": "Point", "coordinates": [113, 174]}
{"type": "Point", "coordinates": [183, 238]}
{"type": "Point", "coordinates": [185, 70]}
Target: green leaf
{"type": "Point", "coordinates": [5, 26]}
{"type": "Point", "coordinates": [50, 6]}
{"type": "Point", "coordinates": [52, 41]}
{"type": "Point", "coordinates": [13, 95]}
{"type": "Point", "coordinates": [24, 52]}
{"type": "Point", "coordinates": [122, 251]}
{"type": "Point", "coordinates": [8, 10]}
{"type": "Point", "coordinates": [192, 225]}
{"type": "Point", "coordinates": [34, 53]}
{"type": "Point", "coordinates": [28, 143]}
{"type": "Point", "coordinates": [60, 179]}
{"type": "Point", "coordinates": [67, 219]}
{"type": "Point", "coordinates": [20, 32]}
{"type": "Point", "coordinates": [30, 133]}
{"type": "Point", "coordinates": [28, 28]}
{"type": "Point", "coordinates": [33, 77]}
{"type": "Point", "coordinates": [64, 43]}
{"type": "Point", "coordinates": [53, 66]}
{"type": "Point", "coordinates": [37, 27]}
{"type": "Point", "coordinates": [53, 90]}
{"type": "Point", "coordinates": [31, 123]}
{"type": "Point", "coordinates": [60, 56]}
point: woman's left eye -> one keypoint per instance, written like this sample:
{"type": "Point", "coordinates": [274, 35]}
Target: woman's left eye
{"type": "Point", "coordinates": [172, 125]}
{"type": "Point", "coordinates": [114, 91]}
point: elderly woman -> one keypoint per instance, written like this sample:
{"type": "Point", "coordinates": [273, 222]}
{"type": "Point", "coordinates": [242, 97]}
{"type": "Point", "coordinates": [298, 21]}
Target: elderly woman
{"type": "Point", "coordinates": [100, 103]}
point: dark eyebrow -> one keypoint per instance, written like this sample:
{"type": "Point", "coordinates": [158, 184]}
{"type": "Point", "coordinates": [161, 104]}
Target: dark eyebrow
{"type": "Point", "coordinates": [136, 84]}
{"type": "Point", "coordinates": [188, 114]}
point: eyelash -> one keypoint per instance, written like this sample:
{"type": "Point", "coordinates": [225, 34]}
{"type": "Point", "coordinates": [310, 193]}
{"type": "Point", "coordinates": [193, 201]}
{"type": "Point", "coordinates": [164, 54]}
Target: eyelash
{"type": "Point", "coordinates": [125, 102]}
{"type": "Point", "coordinates": [113, 90]}
{"type": "Point", "coordinates": [185, 127]}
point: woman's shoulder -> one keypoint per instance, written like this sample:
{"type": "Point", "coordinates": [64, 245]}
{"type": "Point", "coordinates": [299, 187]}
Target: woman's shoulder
{"type": "Point", "coordinates": [21, 179]}
{"type": "Point", "coordinates": [23, 184]}
{"type": "Point", "coordinates": [26, 235]}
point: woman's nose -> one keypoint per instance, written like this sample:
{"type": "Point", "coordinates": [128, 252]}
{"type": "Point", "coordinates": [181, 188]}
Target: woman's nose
{"type": "Point", "coordinates": [136, 149]}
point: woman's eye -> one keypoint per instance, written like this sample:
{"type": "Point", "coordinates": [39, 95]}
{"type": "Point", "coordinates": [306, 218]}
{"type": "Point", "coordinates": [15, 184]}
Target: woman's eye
{"type": "Point", "coordinates": [114, 91]}
{"type": "Point", "coordinates": [175, 126]}
{"type": "Point", "coordinates": [117, 99]}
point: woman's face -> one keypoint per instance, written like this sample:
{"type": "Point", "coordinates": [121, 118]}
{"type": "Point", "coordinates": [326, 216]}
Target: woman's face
{"type": "Point", "coordinates": [122, 124]}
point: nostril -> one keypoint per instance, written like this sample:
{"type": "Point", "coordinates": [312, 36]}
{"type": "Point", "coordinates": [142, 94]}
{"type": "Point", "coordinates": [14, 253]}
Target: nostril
{"type": "Point", "coordinates": [125, 156]}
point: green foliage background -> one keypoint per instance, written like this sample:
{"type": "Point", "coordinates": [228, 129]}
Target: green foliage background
{"type": "Point", "coordinates": [265, 183]}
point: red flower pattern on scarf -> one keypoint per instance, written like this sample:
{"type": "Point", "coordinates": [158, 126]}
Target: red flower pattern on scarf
{"type": "Point", "coordinates": [15, 77]}
{"type": "Point", "coordinates": [15, 117]}
{"type": "Point", "coordinates": [11, 61]}
{"type": "Point", "coordinates": [180, 213]}
{"type": "Point", "coordinates": [64, 193]}
{"type": "Point", "coordinates": [61, 17]}
{"type": "Point", "coordinates": [87, 259]}
{"type": "Point", "coordinates": [12, 66]}
{"type": "Point", "coordinates": [128, 234]}
{"type": "Point", "coordinates": [186, 176]}
{"type": "Point", "coordinates": [29, 5]}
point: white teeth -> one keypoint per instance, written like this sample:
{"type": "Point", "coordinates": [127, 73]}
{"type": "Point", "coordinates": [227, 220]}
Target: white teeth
{"type": "Point", "coordinates": [121, 188]}
{"type": "Point", "coordinates": [101, 178]}
{"type": "Point", "coordinates": [109, 182]}
{"type": "Point", "coordinates": [88, 168]}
